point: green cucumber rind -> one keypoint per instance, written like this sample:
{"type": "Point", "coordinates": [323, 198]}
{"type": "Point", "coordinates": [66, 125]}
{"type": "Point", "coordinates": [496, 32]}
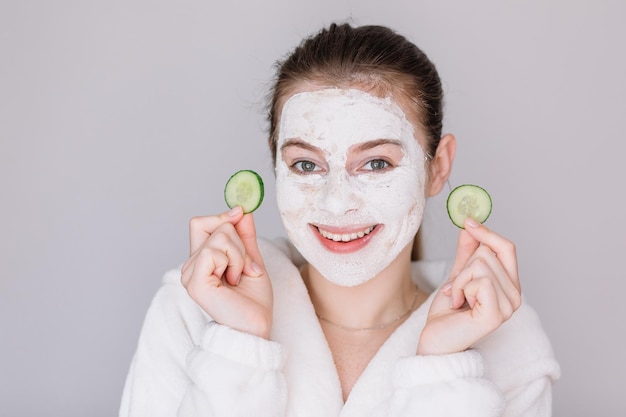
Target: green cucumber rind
{"type": "Point", "coordinates": [251, 178]}
{"type": "Point", "coordinates": [459, 219]}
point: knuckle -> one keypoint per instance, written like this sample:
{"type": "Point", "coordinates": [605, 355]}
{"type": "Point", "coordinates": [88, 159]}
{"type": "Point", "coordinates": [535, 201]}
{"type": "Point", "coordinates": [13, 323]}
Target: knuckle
{"type": "Point", "coordinates": [480, 266]}
{"type": "Point", "coordinates": [507, 311]}
{"type": "Point", "coordinates": [484, 282]}
{"type": "Point", "coordinates": [206, 252]}
{"type": "Point", "coordinates": [185, 266]}
{"type": "Point", "coordinates": [195, 222]}
{"type": "Point", "coordinates": [516, 301]}
{"type": "Point", "coordinates": [219, 239]}
{"type": "Point", "coordinates": [193, 288]}
{"type": "Point", "coordinates": [509, 246]}
{"type": "Point", "coordinates": [211, 258]}
{"type": "Point", "coordinates": [483, 251]}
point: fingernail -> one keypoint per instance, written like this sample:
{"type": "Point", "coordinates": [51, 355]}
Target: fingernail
{"type": "Point", "coordinates": [256, 268]}
{"type": "Point", "coordinates": [447, 287]}
{"type": "Point", "coordinates": [471, 222]}
{"type": "Point", "coordinates": [234, 211]}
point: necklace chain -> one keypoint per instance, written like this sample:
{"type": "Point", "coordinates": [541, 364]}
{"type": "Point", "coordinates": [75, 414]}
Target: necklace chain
{"type": "Point", "coordinates": [377, 327]}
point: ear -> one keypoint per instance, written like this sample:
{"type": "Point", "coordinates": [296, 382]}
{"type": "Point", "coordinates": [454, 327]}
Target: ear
{"type": "Point", "coordinates": [441, 164]}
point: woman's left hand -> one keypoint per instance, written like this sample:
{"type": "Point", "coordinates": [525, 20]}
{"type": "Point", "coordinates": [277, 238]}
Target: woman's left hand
{"type": "Point", "coordinates": [483, 292]}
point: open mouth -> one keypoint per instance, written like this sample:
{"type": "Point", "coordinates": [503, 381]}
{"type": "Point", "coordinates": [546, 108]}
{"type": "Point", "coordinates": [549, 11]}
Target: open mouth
{"type": "Point", "coordinates": [345, 240]}
{"type": "Point", "coordinates": [346, 237]}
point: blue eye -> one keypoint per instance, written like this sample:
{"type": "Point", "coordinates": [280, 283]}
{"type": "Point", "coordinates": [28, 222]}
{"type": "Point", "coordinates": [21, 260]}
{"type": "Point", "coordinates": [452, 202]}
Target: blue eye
{"type": "Point", "coordinates": [376, 165]}
{"type": "Point", "coordinates": [305, 166]}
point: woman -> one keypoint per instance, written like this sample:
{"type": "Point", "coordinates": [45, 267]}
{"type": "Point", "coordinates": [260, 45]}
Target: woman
{"type": "Point", "coordinates": [339, 320]}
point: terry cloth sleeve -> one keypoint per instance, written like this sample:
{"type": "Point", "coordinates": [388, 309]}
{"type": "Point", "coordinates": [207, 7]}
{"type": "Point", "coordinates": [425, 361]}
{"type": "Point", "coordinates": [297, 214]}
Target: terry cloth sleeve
{"type": "Point", "coordinates": [509, 374]}
{"type": "Point", "coordinates": [186, 365]}
{"type": "Point", "coordinates": [520, 360]}
{"type": "Point", "coordinates": [444, 386]}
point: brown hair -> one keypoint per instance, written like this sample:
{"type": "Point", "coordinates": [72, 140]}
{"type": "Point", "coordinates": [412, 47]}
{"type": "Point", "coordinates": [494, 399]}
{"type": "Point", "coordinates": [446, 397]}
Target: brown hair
{"type": "Point", "coordinates": [372, 56]}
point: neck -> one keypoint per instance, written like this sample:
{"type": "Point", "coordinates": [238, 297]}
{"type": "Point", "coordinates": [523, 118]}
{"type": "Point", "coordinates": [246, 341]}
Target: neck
{"type": "Point", "coordinates": [380, 300]}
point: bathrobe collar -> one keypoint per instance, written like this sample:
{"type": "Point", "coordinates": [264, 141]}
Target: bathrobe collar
{"type": "Point", "coordinates": [314, 387]}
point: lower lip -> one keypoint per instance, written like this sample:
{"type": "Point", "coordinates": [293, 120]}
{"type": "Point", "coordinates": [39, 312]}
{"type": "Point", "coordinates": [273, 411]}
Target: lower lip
{"type": "Point", "coordinates": [345, 247]}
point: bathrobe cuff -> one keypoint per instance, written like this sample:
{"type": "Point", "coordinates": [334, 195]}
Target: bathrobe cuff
{"type": "Point", "coordinates": [234, 374]}
{"type": "Point", "coordinates": [431, 369]}
{"type": "Point", "coordinates": [445, 385]}
{"type": "Point", "coordinates": [242, 348]}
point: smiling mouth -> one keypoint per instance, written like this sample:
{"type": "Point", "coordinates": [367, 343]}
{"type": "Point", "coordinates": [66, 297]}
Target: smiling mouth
{"type": "Point", "coordinates": [346, 237]}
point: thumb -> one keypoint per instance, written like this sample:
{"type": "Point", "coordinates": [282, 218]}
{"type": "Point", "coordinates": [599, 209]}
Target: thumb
{"type": "Point", "coordinates": [465, 248]}
{"type": "Point", "coordinates": [247, 232]}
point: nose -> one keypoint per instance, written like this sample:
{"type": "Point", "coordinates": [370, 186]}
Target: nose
{"type": "Point", "coordinates": [338, 194]}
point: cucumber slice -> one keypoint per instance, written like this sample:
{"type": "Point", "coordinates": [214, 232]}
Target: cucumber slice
{"type": "Point", "coordinates": [468, 200]}
{"type": "Point", "coordinates": [244, 188]}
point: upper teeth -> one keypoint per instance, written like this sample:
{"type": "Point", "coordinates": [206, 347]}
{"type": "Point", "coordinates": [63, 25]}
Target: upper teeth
{"type": "Point", "coordinates": [346, 237]}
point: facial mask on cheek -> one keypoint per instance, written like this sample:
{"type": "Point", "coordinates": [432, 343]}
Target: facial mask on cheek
{"type": "Point", "coordinates": [349, 225]}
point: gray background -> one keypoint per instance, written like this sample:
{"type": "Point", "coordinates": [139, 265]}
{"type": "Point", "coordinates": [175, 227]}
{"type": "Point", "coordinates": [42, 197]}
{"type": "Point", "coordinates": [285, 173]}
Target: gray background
{"type": "Point", "coordinates": [119, 120]}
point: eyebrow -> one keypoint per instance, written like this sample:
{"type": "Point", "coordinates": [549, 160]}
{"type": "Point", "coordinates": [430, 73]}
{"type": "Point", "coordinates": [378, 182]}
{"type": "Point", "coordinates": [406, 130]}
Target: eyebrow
{"type": "Point", "coordinates": [358, 148]}
{"type": "Point", "coordinates": [378, 142]}
{"type": "Point", "coordinates": [298, 143]}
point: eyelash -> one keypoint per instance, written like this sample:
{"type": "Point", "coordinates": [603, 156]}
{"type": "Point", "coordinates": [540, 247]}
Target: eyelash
{"type": "Point", "coordinates": [299, 166]}
{"type": "Point", "coordinates": [386, 165]}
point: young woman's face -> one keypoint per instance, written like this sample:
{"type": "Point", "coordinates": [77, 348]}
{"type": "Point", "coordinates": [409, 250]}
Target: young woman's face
{"type": "Point", "coordinates": [350, 181]}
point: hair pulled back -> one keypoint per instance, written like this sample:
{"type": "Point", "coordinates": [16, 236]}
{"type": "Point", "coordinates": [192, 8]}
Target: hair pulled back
{"type": "Point", "coordinates": [368, 56]}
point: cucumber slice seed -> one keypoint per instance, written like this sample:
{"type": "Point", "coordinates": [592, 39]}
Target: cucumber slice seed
{"type": "Point", "coordinates": [468, 200]}
{"type": "Point", "coordinates": [244, 188]}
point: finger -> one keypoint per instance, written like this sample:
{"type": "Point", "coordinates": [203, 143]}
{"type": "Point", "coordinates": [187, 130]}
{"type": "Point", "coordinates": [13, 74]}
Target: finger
{"type": "Point", "coordinates": [488, 308]}
{"type": "Point", "coordinates": [499, 274]}
{"type": "Point", "coordinates": [213, 239]}
{"type": "Point", "coordinates": [222, 254]}
{"type": "Point", "coordinates": [226, 241]}
{"type": "Point", "coordinates": [202, 284]}
{"type": "Point", "coordinates": [466, 246]}
{"type": "Point", "coordinates": [503, 248]}
{"type": "Point", "coordinates": [185, 268]}
{"type": "Point", "coordinates": [201, 227]}
{"type": "Point", "coordinates": [251, 268]}
{"type": "Point", "coordinates": [185, 273]}
{"type": "Point", "coordinates": [479, 269]}
{"type": "Point", "coordinates": [473, 270]}
{"type": "Point", "coordinates": [503, 307]}
{"type": "Point", "coordinates": [207, 262]}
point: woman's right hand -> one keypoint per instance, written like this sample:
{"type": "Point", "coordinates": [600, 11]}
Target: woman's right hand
{"type": "Point", "coordinates": [225, 273]}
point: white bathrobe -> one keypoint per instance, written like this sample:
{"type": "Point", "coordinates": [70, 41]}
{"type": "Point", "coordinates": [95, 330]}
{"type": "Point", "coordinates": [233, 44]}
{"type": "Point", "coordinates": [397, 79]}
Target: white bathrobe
{"type": "Point", "coordinates": [187, 365]}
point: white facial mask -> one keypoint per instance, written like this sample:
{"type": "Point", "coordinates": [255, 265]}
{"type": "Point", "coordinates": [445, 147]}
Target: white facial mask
{"type": "Point", "coordinates": [341, 197]}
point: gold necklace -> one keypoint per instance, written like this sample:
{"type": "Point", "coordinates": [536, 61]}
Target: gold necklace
{"type": "Point", "coordinates": [377, 327]}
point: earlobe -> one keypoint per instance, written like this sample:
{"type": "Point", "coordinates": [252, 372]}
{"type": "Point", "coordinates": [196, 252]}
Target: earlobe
{"type": "Point", "coordinates": [441, 164]}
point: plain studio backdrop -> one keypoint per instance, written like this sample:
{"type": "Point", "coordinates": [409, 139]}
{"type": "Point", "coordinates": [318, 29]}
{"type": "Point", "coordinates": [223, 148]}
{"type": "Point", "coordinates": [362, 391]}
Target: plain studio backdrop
{"type": "Point", "coordinates": [119, 120]}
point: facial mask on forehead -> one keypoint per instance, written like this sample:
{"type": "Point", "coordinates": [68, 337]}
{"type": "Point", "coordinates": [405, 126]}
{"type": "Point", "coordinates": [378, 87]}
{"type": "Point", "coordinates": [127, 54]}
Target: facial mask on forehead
{"type": "Point", "coordinates": [350, 223]}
